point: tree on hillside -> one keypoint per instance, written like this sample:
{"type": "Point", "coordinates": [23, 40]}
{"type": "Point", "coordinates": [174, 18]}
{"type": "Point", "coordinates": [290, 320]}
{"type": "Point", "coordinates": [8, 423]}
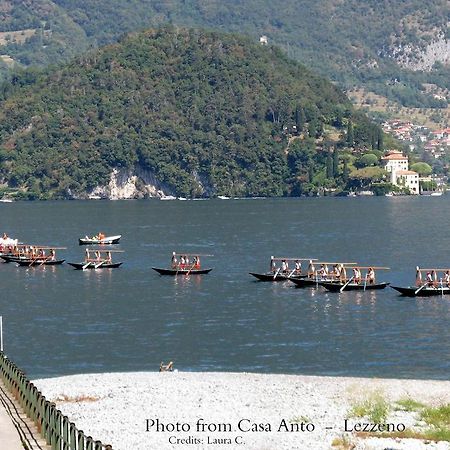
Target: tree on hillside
{"type": "Point", "coordinates": [364, 178]}
{"type": "Point", "coordinates": [350, 134]}
{"type": "Point", "coordinates": [335, 163]}
{"type": "Point", "coordinates": [422, 168]}
{"type": "Point", "coordinates": [367, 160]}
{"type": "Point", "coordinates": [329, 166]}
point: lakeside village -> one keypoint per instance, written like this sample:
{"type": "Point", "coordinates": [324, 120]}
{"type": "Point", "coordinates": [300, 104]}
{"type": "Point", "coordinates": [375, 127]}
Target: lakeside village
{"type": "Point", "coordinates": [428, 177]}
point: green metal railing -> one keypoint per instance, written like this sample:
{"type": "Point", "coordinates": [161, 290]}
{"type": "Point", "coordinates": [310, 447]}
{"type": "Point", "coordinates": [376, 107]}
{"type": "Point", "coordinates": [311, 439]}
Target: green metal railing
{"type": "Point", "coordinates": [57, 430]}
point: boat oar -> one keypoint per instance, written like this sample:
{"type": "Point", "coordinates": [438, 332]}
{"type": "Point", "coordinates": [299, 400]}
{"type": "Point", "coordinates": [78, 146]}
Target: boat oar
{"type": "Point", "coordinates": [346, 284]}
{"type": "Point", "coordinates": [276, 273]}
{"type": "Point", "coordinates": [96, 266]}
{"type": "Point", "coordinates": [189, 271]}
{"type": "Point", "coordinates": [86, 265]}
{"type": "Point", "coordinates": [46, 258]}
{"type": "Point", "coordinates": [421, 287]}
{"type": "Point", "coordinates": [290, 275]}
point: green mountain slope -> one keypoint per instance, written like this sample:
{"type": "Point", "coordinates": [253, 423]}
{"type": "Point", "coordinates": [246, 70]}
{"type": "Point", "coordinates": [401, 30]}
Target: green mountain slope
{"type": "Point", "coordinates": [377, 44]}
{"type": "Point", "coordinates": [201, 113]}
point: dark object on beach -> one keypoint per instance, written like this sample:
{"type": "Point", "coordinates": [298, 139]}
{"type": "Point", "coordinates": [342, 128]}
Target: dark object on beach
{"type": "Point", "coordinates": [166, 367]}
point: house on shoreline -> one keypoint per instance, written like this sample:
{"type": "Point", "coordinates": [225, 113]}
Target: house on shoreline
{"type": "Point", "coordinates": [396, 163]}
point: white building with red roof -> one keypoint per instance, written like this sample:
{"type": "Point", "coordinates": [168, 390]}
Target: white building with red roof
{"type": "Point", "coordinates": [396, 163]}
{"type": "Point", "coordinates": [408, 179]}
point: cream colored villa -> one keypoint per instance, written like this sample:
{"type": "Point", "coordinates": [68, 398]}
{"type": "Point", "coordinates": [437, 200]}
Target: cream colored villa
{"type": "Point", "coordinates": [397, 165]}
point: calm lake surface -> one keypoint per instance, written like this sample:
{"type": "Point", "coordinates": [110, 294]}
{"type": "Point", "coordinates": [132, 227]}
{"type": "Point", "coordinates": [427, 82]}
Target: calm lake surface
{"type": "Point", "coordinates": [61, 321]}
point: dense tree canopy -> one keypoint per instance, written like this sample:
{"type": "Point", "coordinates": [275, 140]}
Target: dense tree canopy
{"type": "Point", "coordinates": [207, 113]}
{"type": "Point", "coordinates": [346, 41]}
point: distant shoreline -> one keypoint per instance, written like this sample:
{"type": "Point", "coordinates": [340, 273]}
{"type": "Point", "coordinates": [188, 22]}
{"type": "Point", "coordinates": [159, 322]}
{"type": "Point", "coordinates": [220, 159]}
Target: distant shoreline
{"type": "Point", "coordinates": [142, 409]}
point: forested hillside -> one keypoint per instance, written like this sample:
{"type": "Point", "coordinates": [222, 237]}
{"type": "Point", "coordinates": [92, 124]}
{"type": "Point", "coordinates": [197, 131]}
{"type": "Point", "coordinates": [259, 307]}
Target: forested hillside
{"type": "Point", "coordinates": [202, 113]}
{"type": "Point", "coordinates": [392, 47]}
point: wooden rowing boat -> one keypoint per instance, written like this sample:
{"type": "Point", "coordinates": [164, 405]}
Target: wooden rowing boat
{"type": "Point", "coordinates": [184, 264]}
{"type": "Point", "coordinates": [39, 262]}
{"type": "Point", "coordinates": [95, 265]}
{"type": "Point", "coordinates": [308, 282]}
{"type": "Point", "coordinates": [436, 282]}
{"type": "Point", "coordinates": [336, 287]}
{"type": "Point", "coordinates": [429, 291]}
{"type": "Point", "coordinates": [270, 276]}
{"type": "Point", "coordinates": [107, 240]}
{"type": "Point", "coordinates": [162, 271]}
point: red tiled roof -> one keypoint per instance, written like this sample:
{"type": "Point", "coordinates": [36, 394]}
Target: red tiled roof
{"type": "Point", "coordinates": [395, 156]}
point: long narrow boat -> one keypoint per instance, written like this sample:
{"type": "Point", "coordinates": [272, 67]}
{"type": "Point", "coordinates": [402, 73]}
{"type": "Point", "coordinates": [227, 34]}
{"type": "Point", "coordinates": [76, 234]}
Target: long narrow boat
{"type": "Point", "coordinates": [437, 282]}
{"type": "Point", "coordinates": [99, 261]}
{"type": "Point", "coordinates": [317, 275]}
{"type": "Point", "coordinates": [11, 258]}
{"type": "Point", "coordinates": [107, 240]}
{"type": "Point", "coordinates": [181, 271]}
{"type": "Point", "coordinates": [339, 287]}
{"type": "Point", "coordinates": [182, 264]}
{"type": "Point", "coordinates": [39, 262]}
{"type": "Point", "coordinates": [282, 272]}
{"type": "Point", "coordinates": [95, 265]}
{"type": "Point", "coordinates": [429, 291]}
{"type": "Point", "coordinates": [271, 276]}
{"type": "Point", "coordinates": [307, 282]}
{"type": "Point", "coordinates": [28, 253]}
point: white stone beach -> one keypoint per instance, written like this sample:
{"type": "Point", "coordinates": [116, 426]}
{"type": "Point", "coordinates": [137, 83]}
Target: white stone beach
{"type": "Point", "coordinates": [143, 410]}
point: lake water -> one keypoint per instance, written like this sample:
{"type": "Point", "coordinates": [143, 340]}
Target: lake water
{"type": "Point", "coordinates": [61, 321]}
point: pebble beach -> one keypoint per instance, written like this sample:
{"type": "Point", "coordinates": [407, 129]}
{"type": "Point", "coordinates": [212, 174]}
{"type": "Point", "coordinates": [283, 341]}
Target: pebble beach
{"type": "Point", "coordinates": [187, 410]}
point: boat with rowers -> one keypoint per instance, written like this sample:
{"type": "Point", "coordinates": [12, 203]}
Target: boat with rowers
{"type": "Point", "coordinates": [7, 243]}
{"type": "Point", "coordinates": [437, 282]}
{"type": "Point", "coordinates": [33, 255]}
{"type": "Point", "coordinates": [316, 275]}
{"type": "Point", "coordinates": [100, 239]}
{"type": "Point", "coordinates": [356, 282]}
{"type": "Point", "coordinates": [102, 260]}
{"type": "Point", "coordinates": [283, 272]}
{"type": "Point", "coordinates": [184, 264]}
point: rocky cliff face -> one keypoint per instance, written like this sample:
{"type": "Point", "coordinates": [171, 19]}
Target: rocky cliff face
{"type": "Point", "coordinates": [422, 57]}
{"type": "Point", "coordinates": [131, 184]}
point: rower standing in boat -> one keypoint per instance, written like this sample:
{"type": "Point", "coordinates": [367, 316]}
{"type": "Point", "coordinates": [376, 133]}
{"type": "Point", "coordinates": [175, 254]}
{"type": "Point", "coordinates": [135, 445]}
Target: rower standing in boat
{"type": "Point", "coordinates": [342, 273]}
{"type": "Point", "coordinates": [370, 276]}
{"type": "Point", "coordinates": [447, 278]}
{"type": "Point", "coordinates": [273, 265]}
{"type": "Point", "coordinates": [174, 260]}
{"type": "Point", "coordinates": [311, 269]}
{"type": "Point", "coordinates": [323, 271]}
{"type": "Point", "coordinates": [52, 255]}
{"type": "Point", "coordinates": [298, 267]}
{"type": "Point", "coordinates": [284, 266]}
{"type": "Point", "coordinates": [356, 275]}
{"type": "Point", "coordinates": [418, 276]}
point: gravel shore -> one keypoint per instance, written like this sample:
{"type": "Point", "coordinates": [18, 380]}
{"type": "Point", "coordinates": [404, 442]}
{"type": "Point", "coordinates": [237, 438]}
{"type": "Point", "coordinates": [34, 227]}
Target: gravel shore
{"type": "Point", "coordinates": [185, 410]}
